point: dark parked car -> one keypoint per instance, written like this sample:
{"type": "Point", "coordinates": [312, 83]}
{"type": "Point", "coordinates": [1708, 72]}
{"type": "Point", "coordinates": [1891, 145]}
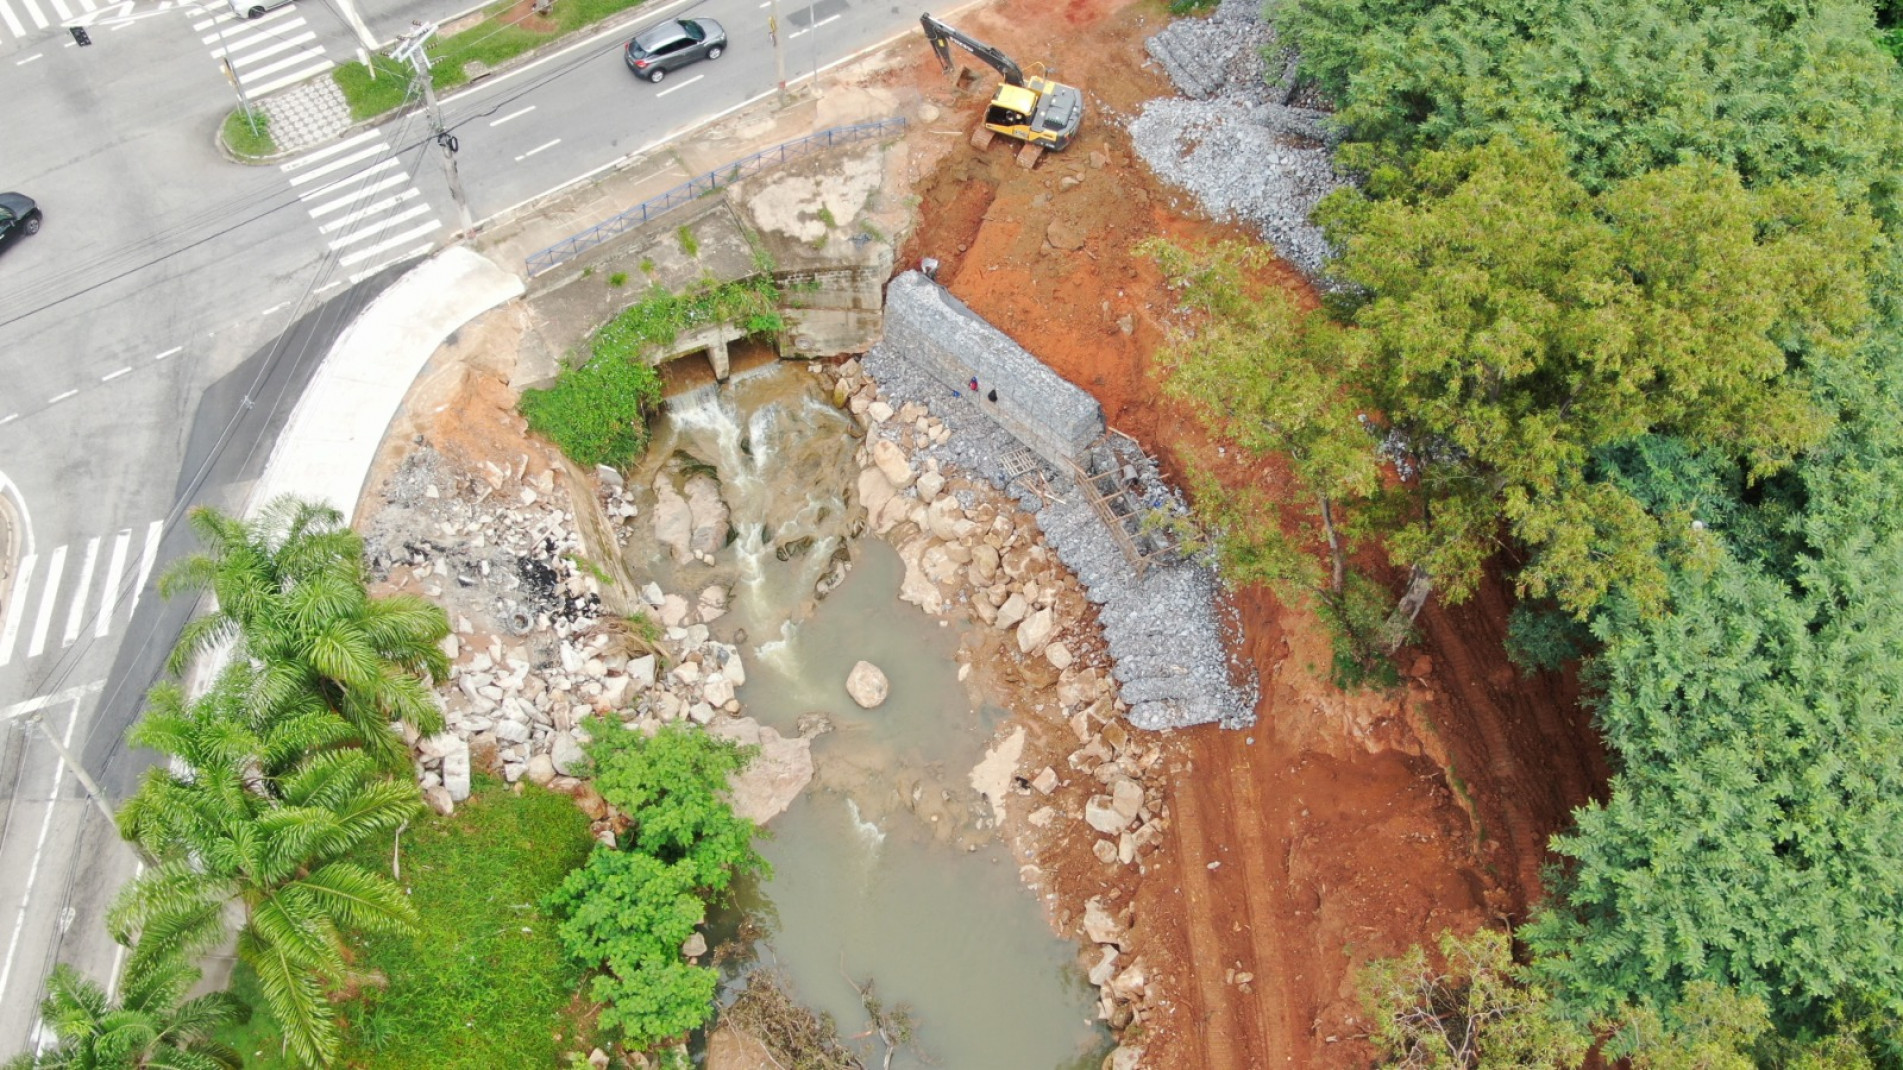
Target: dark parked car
{"type": "Point", "coordinates": [18, 215]}
{"type": "Point", "coordinates": [674, 44]}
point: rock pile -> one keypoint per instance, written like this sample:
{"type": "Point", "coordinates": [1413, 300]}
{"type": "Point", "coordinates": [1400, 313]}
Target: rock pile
{"type": "Point", "coordinates": [1165, 629]}
{"type": "Point", "coordinates": [1247, 146]}
{"type": "Point", "coordinates": [967, 550]}
{"type": "Point", "coordinates": [534, 653]}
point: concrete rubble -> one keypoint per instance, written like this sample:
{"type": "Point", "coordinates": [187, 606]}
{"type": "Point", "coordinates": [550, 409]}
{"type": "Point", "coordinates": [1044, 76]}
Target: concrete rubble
{"type": "Point", "coordinates": [535, 653]}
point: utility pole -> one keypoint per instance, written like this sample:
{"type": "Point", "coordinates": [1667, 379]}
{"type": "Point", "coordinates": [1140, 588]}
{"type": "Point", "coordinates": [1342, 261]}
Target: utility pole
{"type": "Point", "coordinates": [412, 51]}
{"type": "Point", "coordinates": [85, 779]}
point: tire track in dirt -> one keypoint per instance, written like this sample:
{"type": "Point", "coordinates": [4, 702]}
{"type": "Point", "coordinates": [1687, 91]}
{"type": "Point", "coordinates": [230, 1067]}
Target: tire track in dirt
{"type": "Point", "coordinates": [1216, 1031]}
{"type": "Point", "coordinates": [1265, 900]}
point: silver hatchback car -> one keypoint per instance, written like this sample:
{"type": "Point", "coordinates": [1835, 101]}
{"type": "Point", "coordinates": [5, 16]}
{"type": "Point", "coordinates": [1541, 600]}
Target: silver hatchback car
{"type": "Point", "coordinates": [674, 44]}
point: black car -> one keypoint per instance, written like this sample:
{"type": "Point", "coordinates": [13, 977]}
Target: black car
{"type": "Point", "coordinates": [674, 44]}
{"type": "Point", "coordinates": [18, 215]}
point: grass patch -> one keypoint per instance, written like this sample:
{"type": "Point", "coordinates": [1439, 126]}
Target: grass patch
{"type": "Point", "coordinates": [485, 983]}
{"type": "Point", "coordinates": [370, 97]}
{"type": "Point", "coordinates": [597, 413]}
{"type": "Point", "coordinates": [493, 41]}
{"type": "Point", "coordinates": [689, 245]}
{"type": "Point", "coordinates": [243, 141]}
{"type": "Point", "coordinates": [619, 278]}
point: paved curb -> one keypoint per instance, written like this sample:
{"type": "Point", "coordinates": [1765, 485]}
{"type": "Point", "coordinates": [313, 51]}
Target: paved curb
{"type": "Point", "coordinates": [333, 434]}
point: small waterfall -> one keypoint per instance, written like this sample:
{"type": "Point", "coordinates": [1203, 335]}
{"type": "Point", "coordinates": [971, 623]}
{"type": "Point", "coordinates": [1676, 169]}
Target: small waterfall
{"type": "Point", "coordinates": [782, 454]}
{"type": "Point", "coordinates": [869, 832]}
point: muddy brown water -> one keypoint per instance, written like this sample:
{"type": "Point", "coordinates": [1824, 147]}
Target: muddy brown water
{"type": "Point", "coordinates": [885, 870]}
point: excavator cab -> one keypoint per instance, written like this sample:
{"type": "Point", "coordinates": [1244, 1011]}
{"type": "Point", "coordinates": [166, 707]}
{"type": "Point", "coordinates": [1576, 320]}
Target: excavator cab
{"type": "Point", "coordinates": [1040, 113]}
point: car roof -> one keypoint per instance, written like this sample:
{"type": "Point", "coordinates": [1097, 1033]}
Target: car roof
{"type": "Point", "coordinates": [16, 203]}
{"type": "Point", "coordinates": [664, 33]}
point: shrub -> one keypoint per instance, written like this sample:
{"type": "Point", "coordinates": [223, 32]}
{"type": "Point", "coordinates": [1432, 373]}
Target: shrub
{"type": "Point", "coordinates": [597, 413]}
{"type": "Point", "coordinates": [628, 911]}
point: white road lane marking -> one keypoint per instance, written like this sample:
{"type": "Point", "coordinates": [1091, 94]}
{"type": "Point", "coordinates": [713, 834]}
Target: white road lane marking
{"type": "Point", "coordinates": [16, 607]}
{"type": "Point", "coordinates": [146, 557]}
{"type": "Point", "coordinates": [380, 228]}
{"type": "Point", "coordinates": [538, 148]}
{"type": "Point", "coordinates": [338, 164]}
{"type": "Point", "coordinates": [109, 583]}
{"type": "Point", "coordinates": [681, 85]}
{"type": "Point", "coordinates": [383, 205]}
{"type": "Point", "coordinates": [328, 151]}
{"type": "Point", "coordinates": [49, 594]}
{"type": "Point", "coordinates": [76, 613]}
{"type": "Point", "coordinates": [8, 418]}
{"type": "Point", "coordinates": [360, 256]}
{"type": "Point", "coordinates": [29, 59]}
{"type": "Point", "coordinates": [168, 352]}
{"type": "Point", "coordinates": [110, 376]}
{"type": "Point", "coordinates": [46, 826]}
{"type": "Point", "coordinates": [333, 187]}
{"type": "Point", "coordinates": [814, 26]}
{"type": "Point", "coordinates": [356, 196]}
{"type": "Point", "coordinates": [516, 114]}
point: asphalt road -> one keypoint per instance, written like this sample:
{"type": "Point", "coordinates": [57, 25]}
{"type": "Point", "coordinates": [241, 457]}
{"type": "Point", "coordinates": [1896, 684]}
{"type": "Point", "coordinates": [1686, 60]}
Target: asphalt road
{"type": "Point", "coordinates": [156, 332]}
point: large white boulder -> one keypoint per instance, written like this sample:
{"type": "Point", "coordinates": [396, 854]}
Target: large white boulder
{"type": "Point", "coordinates": [673, 520]}
{"type": "Point", "coordinates": [1035, 631]}
{"type": "Point", "coordinates": [867, 685]}
{"type": "Point", "coordinates": [892, 461]}
{"type": "Point", "coordinates": [778, 773]}
{"type": "Point", "coordinates": [709, 513]}
{"type": "Point", "coordinates": [456, 769]}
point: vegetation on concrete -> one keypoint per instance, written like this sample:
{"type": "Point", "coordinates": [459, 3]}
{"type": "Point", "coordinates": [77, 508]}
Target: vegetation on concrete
{"type": "Point", "coordinates": [501, 36]}
{"type": "Point", "coordinates": [627, 911]}
{"type": "Point", "coordinates": [598, 413]}
{"type": "Point", "coordinates": [249, 138]}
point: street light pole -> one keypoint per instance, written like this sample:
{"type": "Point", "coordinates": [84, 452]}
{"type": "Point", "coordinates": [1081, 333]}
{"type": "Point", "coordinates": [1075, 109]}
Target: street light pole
{"type": "Point", "coordinates": [85, 779]}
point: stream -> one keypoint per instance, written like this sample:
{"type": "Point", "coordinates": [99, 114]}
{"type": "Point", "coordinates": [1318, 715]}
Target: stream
{"type": "Point", "coordinates": [885, 869]}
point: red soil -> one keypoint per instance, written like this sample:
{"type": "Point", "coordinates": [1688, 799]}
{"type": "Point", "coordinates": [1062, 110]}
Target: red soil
{"type": "Point", "coordinates": [1347, 825]}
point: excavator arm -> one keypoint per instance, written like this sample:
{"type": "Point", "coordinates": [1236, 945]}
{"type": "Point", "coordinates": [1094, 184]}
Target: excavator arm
{"type": "Point", "coordinates": [941, 36]}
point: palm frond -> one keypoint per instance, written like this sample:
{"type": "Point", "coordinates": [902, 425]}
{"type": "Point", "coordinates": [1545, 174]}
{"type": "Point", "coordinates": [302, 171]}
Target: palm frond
{"type": "Point", "coordinates": [294, 999]}
{"type": "Point", "coordinates": [360, 898]}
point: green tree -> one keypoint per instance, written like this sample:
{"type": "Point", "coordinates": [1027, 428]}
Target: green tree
{"type": "Point", "coordinates": [291, 594]}
{"type": "Point", "coordinates": [1515, 324]}
{"type": "Point", "coordinates": [152, 1026]}
{"type": "Point", "coordinates": [1773, 90]}
{"type": "Point", "coordinates": [225, 834]}
{"type": "Point", "coordinates": [1471, 1012]}
{"type": "Point", "coordinates": [1754, 835]}
{"type": "Point", "coordinates": [628, 913]}
{"type": "Point", "coordinates": [672, 785]}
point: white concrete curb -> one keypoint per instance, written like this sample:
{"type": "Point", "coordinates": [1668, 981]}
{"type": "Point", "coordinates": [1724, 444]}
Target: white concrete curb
{"type": "Point", "coordinates": [327, 446]}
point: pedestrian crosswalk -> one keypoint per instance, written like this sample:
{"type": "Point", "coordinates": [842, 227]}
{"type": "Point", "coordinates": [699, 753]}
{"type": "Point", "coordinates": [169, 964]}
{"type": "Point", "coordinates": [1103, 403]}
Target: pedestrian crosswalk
{"type": "Point", "coordinates": [21, 19]}
{"type": "Point", "coordinates": [75, 590]}
{"type": "Point", "coordinates": [365, 204]}
{"type": "Point", "coordinates": [267, 53]}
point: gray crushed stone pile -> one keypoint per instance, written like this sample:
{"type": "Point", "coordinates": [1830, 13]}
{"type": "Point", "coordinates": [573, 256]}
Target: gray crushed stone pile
{"type": "Point", "coordinates": [1240, 139]}
{"type": "Point", "coordinates": [1165, 630]}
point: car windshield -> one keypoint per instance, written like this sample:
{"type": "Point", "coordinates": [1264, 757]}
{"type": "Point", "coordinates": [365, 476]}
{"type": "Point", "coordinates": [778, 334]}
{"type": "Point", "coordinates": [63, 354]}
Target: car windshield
{"type": "Point", "coordinates": [694, 29]}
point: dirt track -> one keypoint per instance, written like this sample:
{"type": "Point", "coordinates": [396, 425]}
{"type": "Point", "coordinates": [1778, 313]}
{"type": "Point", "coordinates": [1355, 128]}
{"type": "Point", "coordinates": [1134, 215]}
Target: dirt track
{"type": "Point", "coordinates": [1329, 834]}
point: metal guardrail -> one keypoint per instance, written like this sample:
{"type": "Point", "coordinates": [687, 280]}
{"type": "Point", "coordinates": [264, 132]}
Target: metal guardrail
{"type": "Point", "coordinates": [701, 185]}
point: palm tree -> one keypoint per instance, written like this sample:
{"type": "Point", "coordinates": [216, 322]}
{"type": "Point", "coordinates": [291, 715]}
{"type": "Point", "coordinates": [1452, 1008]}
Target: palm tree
{"type": "Point", "coordinates": [290, 589]}
{"type": "Point", "coordinates": [227, 835]}
{"type": "Point", "coordinates": [154, 1027]}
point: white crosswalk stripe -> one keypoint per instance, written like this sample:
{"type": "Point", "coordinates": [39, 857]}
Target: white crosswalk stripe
{"type": "Point", "coordinates": [360, 196]}
{"type": "Point", "coordinates": [87, 591]}
{"type": "Point", "coordinates": [268, 53]}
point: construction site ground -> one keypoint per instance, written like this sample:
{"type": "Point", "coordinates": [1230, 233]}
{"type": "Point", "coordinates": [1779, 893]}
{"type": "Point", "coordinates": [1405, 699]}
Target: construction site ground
{"type": "Point", "coordinates": [1345, 825]}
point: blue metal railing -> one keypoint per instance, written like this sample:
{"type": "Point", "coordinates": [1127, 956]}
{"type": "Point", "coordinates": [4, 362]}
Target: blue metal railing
{"type": "Point", "coordinates": [701, 185]}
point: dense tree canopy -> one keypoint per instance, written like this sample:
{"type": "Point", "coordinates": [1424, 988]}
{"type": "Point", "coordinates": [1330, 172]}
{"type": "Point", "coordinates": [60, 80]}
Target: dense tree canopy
{"type": "Point", "coordinates": [1770, 89]}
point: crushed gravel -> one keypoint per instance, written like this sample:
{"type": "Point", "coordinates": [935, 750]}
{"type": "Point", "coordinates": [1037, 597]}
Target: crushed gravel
{"type": "Point", "coordinates": [1246, 138]}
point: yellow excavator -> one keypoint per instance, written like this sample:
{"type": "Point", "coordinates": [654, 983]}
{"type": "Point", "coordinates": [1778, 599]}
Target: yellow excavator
{"type": "Point", "coordinates": [1036, 111]}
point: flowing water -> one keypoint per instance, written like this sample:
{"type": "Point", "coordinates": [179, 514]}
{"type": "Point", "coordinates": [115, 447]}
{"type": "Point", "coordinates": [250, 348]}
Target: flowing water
{"type": "Point", "coordinates": [880, 870]}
